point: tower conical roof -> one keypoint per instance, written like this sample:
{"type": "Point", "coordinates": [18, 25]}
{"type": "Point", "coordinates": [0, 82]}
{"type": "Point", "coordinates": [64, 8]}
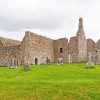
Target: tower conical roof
{"type": "Point", "coordinates": [80, 27]}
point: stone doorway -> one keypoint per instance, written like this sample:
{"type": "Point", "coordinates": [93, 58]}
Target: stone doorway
{"type": "Point", "coordinates": [36, 61]}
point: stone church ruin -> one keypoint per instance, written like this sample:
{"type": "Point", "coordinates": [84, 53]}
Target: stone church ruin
{"type": "Point", "coordinates": [37, 49]}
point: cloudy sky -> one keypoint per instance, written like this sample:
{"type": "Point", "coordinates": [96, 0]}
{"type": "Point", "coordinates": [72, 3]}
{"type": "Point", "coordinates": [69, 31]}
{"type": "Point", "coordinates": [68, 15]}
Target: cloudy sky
{"type": "Point", "coordinates": [52, 18]}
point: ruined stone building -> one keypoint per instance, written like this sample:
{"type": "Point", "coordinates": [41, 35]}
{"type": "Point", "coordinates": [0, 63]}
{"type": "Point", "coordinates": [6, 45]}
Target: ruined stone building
{"type": "Point", "coordinates": [35, 49]}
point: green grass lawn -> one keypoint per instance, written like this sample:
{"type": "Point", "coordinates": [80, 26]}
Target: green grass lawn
{"type": "Point", "coordinates": [51, 82]}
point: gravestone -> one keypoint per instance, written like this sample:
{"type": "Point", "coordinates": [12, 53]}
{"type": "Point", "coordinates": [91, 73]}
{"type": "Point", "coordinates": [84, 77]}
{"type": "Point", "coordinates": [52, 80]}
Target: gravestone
{"type": "Point", "coordinates": [26, 66]}
{"type": "Point", "coordinates": [90, 62]}
{"type": "Point", "coordinates": [69, 58]}
{"type": "Point", "coordinates": [13, 63]}
{"type": "Point", "coordinates": [59, 61]}
{"type": "Point", "coordinates": [47, 60]}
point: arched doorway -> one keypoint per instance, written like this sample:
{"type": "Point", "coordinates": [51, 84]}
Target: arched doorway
{"type": "Point", "coordinates": [36, 61]}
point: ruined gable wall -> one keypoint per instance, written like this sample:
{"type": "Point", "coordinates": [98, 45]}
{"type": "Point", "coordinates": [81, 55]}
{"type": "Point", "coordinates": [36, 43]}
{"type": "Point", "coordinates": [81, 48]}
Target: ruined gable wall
{"type": "Point", "coordinates": [73, 48]}
{"type": "Point", "coordinates": [9, 49]}
{"type": "Point", "coordinates": [7, 54]}
{"type": "Point", "coordinates": [90, 45]}
{"type": "Point", "coordinates": [1, 43]}
{"type": "Point", "coordinates": [9, 42]}
{"type": "Point", "coordinates": [36, 46]}
{"type": "Point", "coordinates": [97, 52]}
{"type": "Point", "coordinates": [97, 45]}
{"type": "Point", "coordinates": [61, 43]}
{"type": "Point", "coordinates": [21, 50]}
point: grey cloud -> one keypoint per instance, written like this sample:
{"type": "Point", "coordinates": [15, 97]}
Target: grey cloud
{"type": "Point", "coordinates": [49, 15]}
{"type": "Point", "coordinates": [43, 21]}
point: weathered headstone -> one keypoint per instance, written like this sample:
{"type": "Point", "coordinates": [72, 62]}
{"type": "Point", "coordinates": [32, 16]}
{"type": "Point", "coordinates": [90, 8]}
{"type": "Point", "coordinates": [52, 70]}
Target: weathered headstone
{"type": "Point", "coordinates": [59, 61]}
{"type": "Point", "coordinates": [26, 66]}
{"type": "Point", "coordinates": [90, 62]}
{"type": "Point", "coordinates": [47, 60]}
{"type": "Point", "coordinates": [69, 58]}
{"type": "Point", "coordinates": [13, 63]}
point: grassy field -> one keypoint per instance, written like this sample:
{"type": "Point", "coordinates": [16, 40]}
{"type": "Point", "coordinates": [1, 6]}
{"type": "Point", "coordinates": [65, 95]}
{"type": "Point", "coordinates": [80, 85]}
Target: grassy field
{"type": "Point", "coordinates": [51, 82]}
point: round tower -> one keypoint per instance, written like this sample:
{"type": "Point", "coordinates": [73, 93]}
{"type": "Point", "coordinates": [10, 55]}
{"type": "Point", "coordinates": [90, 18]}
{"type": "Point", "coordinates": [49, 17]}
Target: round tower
{"type": "Point", "coordinates": [82, 42]}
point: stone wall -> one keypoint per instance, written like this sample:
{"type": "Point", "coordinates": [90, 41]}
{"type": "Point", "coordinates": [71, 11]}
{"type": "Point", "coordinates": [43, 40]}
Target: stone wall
{"type": "Point", "coordinates": [9, 49]}
{"type": "Point", "coordinates": [90, 46]}
{"type": "Point", "coordinates": [9, 42]}
{"type": "Point", "coordinates": [1, 53]}
{"type": "Point", "coordinates": [7, 54]}
{"type": "Point", "coordinates": [97, 45]}
{"type": "Point", "coordinates": [61, 44]}
{"type": "Point", "coordinates": [1, 43]}
{"type": "Point", "coordinates": [97, 52]}
{"type": "Point", "coordinates": [73, 48]}
{"type": "Point", "coordinates": [31, 48]}
{"type": "Point", "coordinates": [37, 48]}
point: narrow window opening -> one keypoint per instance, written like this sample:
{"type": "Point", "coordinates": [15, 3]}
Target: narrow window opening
{"type": "Point", "coordinates": [61, 50]}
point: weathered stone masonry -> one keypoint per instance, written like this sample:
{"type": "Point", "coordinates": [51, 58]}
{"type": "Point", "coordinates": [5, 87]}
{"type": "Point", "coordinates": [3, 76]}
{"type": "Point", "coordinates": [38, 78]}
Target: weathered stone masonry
{"type": "Point", "coordinates": [35, 49]}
